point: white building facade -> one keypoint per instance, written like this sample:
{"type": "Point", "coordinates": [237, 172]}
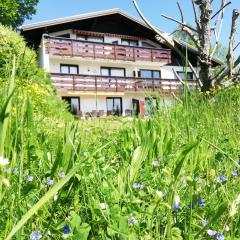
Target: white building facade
{"type": "Point", "coordinates": [102, 67]}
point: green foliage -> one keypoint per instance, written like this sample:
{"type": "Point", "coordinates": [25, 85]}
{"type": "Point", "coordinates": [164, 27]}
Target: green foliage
{"type": "Point", "coordinates": [14, 12]}
{"type": "Point", "coordinates": [30, 80]}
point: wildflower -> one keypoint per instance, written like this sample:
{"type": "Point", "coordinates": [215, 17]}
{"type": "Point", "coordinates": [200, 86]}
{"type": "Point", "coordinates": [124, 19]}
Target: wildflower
{"type": "Point", "coordinates": [222, 179]}
{"type": "Point", "coordinates": [66, 229]}
{"type": "Point", "coordinates": [6, 182]}
{"type": "Point", "coordinates": [220, 236]}
{"type": "Point", "coordinates": [8, 170]}
{"type": "Point", "coordinates": [30, 178]}
{"type": "Point", "coordinates": [155, 163]}
{"type": "Point", "coordinates": [204, 222]}
{"type": "Point", "coordinates": [159, 193]}
{"type": "Point", "coordinates": [196, 179]}
{"type": "Point", "coordinates": [211, 232]}
{"type": "Point", "coordinates": [138, 186]}
{"type": "Point", "coordinates": [50, 182]}
{"type": "Point", "coordinates": [49, 233]}
{"type": "Point", "coordinates": [176, 207]}
{"type": "Point", "coordinates": [61, 174]}
{"type": "Point", "coordinates": [239, 164]}
{"type": "Point", "coordinates": [103, 206]}
{"type": "Point", "coordinates": [3, 161]}
{"type": "Point", "coordinates": [15, 170]}
{"type": "Point", "coordinates": [234, 173]}
{"type": "Point", "coordinates": [201, 203]}
{"type": "Point", "coordinates": [227, 228]}
{"type": "Point", "coordinates": [132, 220]}
{"type": "Point", "coordinates": [35, 235]}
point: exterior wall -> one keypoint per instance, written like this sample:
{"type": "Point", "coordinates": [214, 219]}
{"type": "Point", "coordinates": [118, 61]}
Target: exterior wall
{"type": "Point", "coordinates": [107, 39]}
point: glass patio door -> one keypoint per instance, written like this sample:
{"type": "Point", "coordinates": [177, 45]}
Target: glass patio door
{"type": "Point", "coordinates": [114, 106]}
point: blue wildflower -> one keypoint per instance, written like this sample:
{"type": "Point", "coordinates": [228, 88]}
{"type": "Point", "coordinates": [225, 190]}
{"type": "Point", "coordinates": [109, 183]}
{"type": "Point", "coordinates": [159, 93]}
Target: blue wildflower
{"type": "Point", "coordinates": [66, 229]}
{"type": "Point", "coordinates": [35, 235]}
{"type": "Point", "coordinates": [176, 207]}
{"type": "Point", "coordinates": [234, 173]}
{"type": "Point", "coordinates": [138, 186]}
{"type": "Point", "coordinates": [211, 232]}
{"type": "Point", "coordinates": [222, 179]}
{"type": "Point", "coordinates": [200, 203]}
{"type": "Point", "coordinates": [50, 182]}
{"type": "Point", "coordinates": [132, 220]}
{"type": "Point", "coordinates": [61, 174]}
{"type": "Point", "coordinates": [239, 164]}
{"type": "Point", "coordinates": [15, 170]}
{"type": "Point", "coordinates": [30, 178]}
{"type": "Point", "coordinates": [220, 236]}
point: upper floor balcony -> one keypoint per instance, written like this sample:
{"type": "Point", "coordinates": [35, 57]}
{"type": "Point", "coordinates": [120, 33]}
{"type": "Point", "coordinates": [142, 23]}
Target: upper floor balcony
{"type": "Point", "coordinates": [86, 49]}
{"type": "Point", "coordinates": [93, 83]}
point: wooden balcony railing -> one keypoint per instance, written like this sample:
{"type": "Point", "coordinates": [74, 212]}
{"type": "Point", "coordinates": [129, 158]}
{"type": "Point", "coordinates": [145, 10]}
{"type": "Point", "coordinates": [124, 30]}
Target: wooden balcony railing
{"type": "Point", "coordinates": [89, 83]}
{"type": "Point", "coordinates": [78, 48]}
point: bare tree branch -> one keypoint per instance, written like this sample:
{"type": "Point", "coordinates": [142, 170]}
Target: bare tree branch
{"type": "Point", "coordinates": [221, 9]}
{"type": "Point", "coordinates": [230, 56]}
{"type": "Point", "coordinates": [168, 41]}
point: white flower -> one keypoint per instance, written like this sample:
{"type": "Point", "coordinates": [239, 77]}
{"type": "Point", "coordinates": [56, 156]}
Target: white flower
{"type": "Point", "coordinates": [103, 206]}
{"type": "Point", "coordinates": [227, 228]}
{"type": "Point", "coordinates": [159, 193]}
{"type": "Point", "coordinates": [35, 236]}
{"type": "Point", "coordinates": [155, 163]}
{"type": "Point", "coordinates": [3, 161]}
{"type": "Point", "coordinates": [6, 182]}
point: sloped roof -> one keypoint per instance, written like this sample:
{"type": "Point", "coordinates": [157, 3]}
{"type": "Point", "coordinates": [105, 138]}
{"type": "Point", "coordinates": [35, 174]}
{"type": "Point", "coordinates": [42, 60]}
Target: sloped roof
{"type": "Point", "coordinates": [81, 17]}
{"type": "Point", "coordinates": [85, 16]}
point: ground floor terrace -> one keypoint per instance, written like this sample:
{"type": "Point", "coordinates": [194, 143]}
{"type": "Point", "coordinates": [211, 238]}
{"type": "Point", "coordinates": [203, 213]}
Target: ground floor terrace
{"type": "Point", "coordinates": [118, 104]}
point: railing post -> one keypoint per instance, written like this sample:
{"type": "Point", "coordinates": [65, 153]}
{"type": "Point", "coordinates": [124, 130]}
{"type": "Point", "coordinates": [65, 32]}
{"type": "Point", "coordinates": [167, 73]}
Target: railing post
{"type": "Point", "coordinates": [73, 82]}
{"type": "Point", "coordinates": [115, 52]}
{"type": "Point", "coordinates": [152, 55]}
{"type": "Point", "coordinates": [153, 85]}
{"type": "Point", "coordinates": [116, 85]}
{"type": "Point", "coordinates": [134, 54]}
{"type": "Point", "coordinates": [94, 50]}
{"type": "Point", "coordinates": [95, 83]}
{"type": "Point", "coordinates": [72, 47]}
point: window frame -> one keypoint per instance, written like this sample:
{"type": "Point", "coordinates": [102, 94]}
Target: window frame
{"type": "Point", "coordinates": [152, 72]}
{"type": "Point", "coordinates": [87, 38]}
{"type": "Point", "coordinates": [109, 71]}
{"type": "Point", "coordinates": [113, 98]}
{"type": "Point", "coordinates": [69, 67]}
{"type": "Point", "coordinates": [64, 98]}
{"type": "Point", "coordinates": [184, 73]}
{"type": "Point", "coordinates": [129, 41]}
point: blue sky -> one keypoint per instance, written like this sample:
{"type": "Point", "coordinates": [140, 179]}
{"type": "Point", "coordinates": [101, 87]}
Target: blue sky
{"type": "Point", "coordinates": [51, 9]}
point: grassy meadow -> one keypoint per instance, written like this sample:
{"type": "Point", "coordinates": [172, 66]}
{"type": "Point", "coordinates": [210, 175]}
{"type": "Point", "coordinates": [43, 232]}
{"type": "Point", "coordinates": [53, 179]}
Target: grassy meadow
{"type": "Point", "coordinates": [173, 176]}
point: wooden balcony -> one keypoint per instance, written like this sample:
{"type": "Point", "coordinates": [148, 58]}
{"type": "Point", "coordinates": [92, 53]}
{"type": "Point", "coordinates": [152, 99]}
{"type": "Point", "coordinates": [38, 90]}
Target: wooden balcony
{"type": "Point", "coordinates": [90, 83]}
{"type": "Point", "coordinates": [76, 48]}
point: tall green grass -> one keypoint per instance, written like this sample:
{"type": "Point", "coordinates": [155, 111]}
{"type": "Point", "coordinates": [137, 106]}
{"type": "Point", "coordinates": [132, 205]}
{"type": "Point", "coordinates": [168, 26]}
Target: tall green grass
{"type": "Point", "coordinates": [155, 178]}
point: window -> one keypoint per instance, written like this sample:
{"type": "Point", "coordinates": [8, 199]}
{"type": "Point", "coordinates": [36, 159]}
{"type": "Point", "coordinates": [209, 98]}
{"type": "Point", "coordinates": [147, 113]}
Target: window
{"type": "Point", "coordinates": [69, 69]}
{"type": "Point", "coordinates": [150, 74]}
{"type": "Point", "coordinates": [73, 104]}
{"type": "Point", "coordinates": [89, 38]}
{"type": "Point", "coordinates": [147, 45]}
{"type": "Point", "coordinates": [64, 35]}
{"type": "Point", "coordinates": [129, 42]}
{"type": "Point", "coordinates": [114, 106]}
{"type": "Point", "coordinates": [182, 75]}
{"type": "Point", "coordinates": [114, 72]}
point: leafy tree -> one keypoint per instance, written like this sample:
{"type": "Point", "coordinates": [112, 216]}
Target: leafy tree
{"type": "Point", "coordinates": [14, 12]}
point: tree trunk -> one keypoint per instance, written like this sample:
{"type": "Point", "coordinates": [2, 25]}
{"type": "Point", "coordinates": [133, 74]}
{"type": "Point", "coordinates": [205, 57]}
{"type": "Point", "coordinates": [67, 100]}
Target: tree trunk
{"type": "Point", "coordinates": [204, 29]}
